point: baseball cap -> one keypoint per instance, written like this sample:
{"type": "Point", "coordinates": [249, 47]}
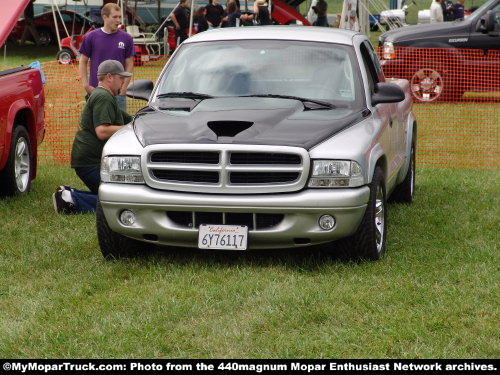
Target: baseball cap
{"type": "Point", "coordinates": [112, 67]}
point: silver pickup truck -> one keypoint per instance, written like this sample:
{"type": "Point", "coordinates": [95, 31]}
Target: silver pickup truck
{"type": "Point", "coordinates": [259, 138]}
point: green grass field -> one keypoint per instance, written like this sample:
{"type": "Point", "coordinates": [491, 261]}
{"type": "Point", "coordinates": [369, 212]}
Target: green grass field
{"type": "Point", "coordinates": [434, 295]}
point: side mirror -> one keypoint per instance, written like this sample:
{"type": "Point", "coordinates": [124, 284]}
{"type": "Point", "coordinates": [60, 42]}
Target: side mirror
{"type": "Point", "coordinates": [387, 93]}
{"type": "Point", "coordinates": [140, 89]}
{"type": "Point", "coordinates": [487, 22]}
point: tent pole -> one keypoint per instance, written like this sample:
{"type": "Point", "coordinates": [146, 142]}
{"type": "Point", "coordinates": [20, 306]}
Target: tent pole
{"type": "Point", "coordinates": [55, 23]}
{"type": "Point", "coordinates": [125, 20]}
{"type": "Point", "coordinates": [191, 15]}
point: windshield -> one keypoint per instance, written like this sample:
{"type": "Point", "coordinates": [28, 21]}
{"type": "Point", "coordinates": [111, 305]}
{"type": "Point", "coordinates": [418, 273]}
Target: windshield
{"type": "Point", "coordinates": [319, 71]}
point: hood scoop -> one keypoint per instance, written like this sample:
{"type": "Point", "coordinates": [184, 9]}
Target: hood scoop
{"type": "Point", "coordinates": [228, 128]}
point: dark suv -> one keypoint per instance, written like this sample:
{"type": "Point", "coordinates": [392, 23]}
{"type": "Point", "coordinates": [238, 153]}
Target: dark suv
{"type": "Point", "coordinates": [443, 60]}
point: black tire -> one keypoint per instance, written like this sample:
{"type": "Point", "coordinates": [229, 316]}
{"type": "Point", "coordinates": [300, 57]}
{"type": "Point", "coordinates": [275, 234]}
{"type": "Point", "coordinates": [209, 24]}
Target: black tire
{"type": "Point", "coordinates": [65, 56]}
{"type": "Point", "coordinates": [369, 241]}
{"type": "Point", "coordinates": [430, 82]}
{"type": "Point", "coordinates": [15, 178]}
{"type": "Point", "coordinates": [114, 245]}
{"type": "Point", "coordinates": [405, 191]}
{"type": "Point", "coordinates": [45, 37]}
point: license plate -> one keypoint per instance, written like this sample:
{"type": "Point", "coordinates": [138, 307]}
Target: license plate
{"type": "Point", "coordinates": [223, 237]}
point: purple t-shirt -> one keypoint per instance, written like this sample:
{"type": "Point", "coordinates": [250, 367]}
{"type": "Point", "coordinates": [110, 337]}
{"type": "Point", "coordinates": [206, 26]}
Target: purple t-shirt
{"type": "Point", "coordinates": [100, 46]}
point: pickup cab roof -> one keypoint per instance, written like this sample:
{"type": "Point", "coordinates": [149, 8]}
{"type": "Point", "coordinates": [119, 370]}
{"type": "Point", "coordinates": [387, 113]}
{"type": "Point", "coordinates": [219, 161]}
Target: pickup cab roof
{"type": "Point", "coordinates": [299, 33]}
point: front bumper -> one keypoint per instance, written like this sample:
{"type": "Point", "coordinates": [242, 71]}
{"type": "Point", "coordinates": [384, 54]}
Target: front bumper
{"type": "Point", "coordinates": [299, 226]}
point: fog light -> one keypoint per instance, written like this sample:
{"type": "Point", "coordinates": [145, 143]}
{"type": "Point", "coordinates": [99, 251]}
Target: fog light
{"type": "Point", "coordinates": [326, 222]}
{"type": "Point", "coordinates": [127, 218]}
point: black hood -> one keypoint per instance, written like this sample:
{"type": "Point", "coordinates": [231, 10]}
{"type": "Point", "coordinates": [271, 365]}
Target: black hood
{"type": "Point", "coordinates": [433, 32]}
{"type": "Point", "coordinates": [244, 121]}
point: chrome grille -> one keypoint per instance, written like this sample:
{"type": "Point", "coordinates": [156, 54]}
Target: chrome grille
{"type": "Point", "coordinates": [186, 176]}
{"type": "Point", "coordinates": [187, 157]}
{"type": "Point", "coordinates": [263, 158]}
{"type": "Point", "coordinates": [226, 168]}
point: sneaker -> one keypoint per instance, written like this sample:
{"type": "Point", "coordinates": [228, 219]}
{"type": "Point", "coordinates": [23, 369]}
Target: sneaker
{"type": "Point", "coordinates": [60, 205]}
{"type": "Point", "coordinates": [63, 187]}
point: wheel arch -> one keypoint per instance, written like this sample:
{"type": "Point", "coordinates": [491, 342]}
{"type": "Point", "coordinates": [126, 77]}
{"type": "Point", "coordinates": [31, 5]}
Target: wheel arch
{"type": "Point", "coordinates": [419, 51]}
{"type": "Point", "coordinates": [377, 158]}
{"type": "Point", "coordinates": [20, 114]}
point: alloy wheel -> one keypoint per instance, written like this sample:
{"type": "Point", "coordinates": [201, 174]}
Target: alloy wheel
{"type": "Point", "coordinates": [379, 218]}
{"type": "Point", "coordinates": [427, 85]}
{"type": "Point", "coordinates": [22, 164]}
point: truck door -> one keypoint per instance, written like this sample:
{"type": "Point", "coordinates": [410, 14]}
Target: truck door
{"type": "Point", "coordinates": [386, 112]}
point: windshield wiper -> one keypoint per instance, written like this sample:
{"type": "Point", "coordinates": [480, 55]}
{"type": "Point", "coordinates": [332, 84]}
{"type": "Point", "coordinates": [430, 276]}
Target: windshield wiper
{"type": "Point", "coordinates": [303, 100]}
{"type": "Point", "coordinates": [184, 94]}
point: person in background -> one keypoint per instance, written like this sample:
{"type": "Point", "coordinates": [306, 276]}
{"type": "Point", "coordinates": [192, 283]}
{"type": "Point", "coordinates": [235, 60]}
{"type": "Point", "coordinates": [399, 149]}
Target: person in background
{"type": "Point", "coordinates": [436, 11]}
{"type": "Point", "coordinates": [447, 6]}
{"type": "Point", "coordinates": [200, 20]}
{"type": "Point", "coordinates": [180, 18]}
{"type": "Point", "coordinates": [321, 9]}
{"type": "Point", "coordinates": [215, 13]}
{"type": "Point", "coordinates": [101, 118]}
{"type": "Point", "coordinates": [107, 43]}
{"type": "Point", "coordinates": [29, 24]}
{"type": "Point", "coordinates": [261, 12]}
{"type": "Point", "coordinates": [234, 16]}
{"type": "Point", "coordinates": [459, 10]}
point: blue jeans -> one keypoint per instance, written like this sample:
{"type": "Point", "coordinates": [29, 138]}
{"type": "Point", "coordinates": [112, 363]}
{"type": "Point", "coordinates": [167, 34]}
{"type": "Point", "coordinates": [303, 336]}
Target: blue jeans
{"type": "Point", "coordinates": [86, 201]}
{"type": "Point", "coordinates": [122, 102]}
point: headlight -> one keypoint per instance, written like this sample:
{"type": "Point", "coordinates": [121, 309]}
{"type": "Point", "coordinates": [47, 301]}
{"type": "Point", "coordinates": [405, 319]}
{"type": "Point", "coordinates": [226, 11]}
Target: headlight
{"type": "Point", "coordinates": [336, 173]}
{"type": "Point", "coordinates": [122, 169]}
{"type": "Point", "coordinates": [388, 51]}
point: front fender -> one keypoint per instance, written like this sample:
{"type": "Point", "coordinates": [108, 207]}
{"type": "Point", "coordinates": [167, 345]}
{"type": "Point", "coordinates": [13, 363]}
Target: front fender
{"type": "Point", "coordinates": [14, 109]}
{"type": "Point", "coordinates": [377, 153]}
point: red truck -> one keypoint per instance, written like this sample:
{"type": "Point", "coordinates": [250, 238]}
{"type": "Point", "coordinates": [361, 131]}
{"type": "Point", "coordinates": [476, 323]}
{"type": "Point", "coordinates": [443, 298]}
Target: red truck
{"type": "Point", "coordinates": [22, 125]}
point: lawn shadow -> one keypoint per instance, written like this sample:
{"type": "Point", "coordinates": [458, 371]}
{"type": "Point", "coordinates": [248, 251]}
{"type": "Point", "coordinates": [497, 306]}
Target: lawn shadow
{"type": "Point", "coordinates": [305, 259]}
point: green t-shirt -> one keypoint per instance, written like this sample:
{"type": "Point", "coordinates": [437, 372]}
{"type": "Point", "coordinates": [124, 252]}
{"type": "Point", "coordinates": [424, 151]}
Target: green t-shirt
{"type": "Point", "coordinates": [101, 108]}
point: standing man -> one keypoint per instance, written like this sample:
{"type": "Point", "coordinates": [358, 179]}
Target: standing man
{"type": "Point", "coordinates": [215, 13]}
{"type": "Point", "coordinates": [436, 11]}
{"type": "Point", "coordinates": [180, 18]}
{"type": "Point", "coordinates": [107, 43]}
{"type": "Point", "coordinates": [29, 25]}
{"type": "Point", "coordinates": [459, 10]}
{"type": "Point", "coordinates": [321, 9]}
{"type": "Point", "coordinates": [447, 6]}
{"type": "Point", "coordinates": [101, 118]}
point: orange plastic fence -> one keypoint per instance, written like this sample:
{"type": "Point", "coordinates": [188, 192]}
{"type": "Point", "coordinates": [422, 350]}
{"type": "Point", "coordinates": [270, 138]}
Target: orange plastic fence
{"type": "Point", "coordinates": [65, 100]}
{"type": "Point", "coordinates": [457, 104]}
